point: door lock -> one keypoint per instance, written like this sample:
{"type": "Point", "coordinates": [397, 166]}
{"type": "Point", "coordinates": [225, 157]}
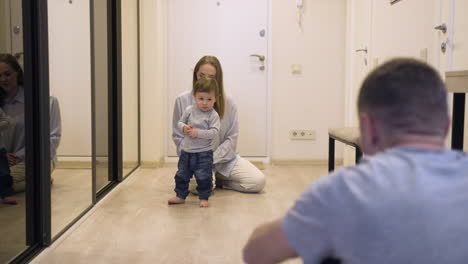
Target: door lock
{"type": "Point", "coordinates": [16, 29]}
{"type": "Point", "coordinates": [443, 47]}
{"type": "Point", "coordinates": [442, 27]}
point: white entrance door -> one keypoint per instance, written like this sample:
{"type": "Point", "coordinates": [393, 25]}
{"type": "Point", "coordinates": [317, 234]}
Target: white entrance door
{"type": "Point", "coordinates": [232, 31]}
{"type": "Point", "coordinates": [11, 28]}
{"type": "Point", "coordinates": [359, 48]}
{"type": "Point", "coordinates": [452, 15]}
{"type": "Point", "coordinates": [17, 30]}
{"type": "Point", "coordinates": [455, 40]}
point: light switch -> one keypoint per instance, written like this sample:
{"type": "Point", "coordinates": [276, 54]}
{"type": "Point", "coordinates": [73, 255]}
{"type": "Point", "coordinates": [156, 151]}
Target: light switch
{"type": "Point", "coordinates": [296, 69]}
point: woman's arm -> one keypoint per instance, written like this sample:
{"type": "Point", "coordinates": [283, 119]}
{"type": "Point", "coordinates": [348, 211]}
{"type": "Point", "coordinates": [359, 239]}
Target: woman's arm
{"type": "Point", "coordinates": [183, 121]}
{"type": "Point", "coordinates": [226, 151]}
{"type": "Point", "coordinates": [177, 134]}
{"type": "Point", "coordinates": [4, 120]}
{"type": "Point", "coordinates": [55, 126]}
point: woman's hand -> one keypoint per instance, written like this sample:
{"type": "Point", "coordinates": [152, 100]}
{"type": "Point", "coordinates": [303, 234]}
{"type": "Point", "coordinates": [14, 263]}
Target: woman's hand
{"type": "Point", "coordinates": [12, 159]}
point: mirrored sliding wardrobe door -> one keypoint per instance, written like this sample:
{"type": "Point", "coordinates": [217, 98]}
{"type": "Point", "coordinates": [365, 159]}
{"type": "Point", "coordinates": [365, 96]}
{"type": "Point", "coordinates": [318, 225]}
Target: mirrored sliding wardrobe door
{"type": "Point", "coordinates": [130, 85]}
{"type": "Point", "coordinates": [12, 133]}
{"type": "Point", "coordinates": [102, 81]}
{"type": "Point", "coordinates": [70, 111]}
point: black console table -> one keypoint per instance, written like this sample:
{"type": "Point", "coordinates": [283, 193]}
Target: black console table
{"type": "Point", "coordinates": [457, 83]}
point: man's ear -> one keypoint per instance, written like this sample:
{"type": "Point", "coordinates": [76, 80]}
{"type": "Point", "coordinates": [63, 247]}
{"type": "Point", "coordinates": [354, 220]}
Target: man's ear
{"type": "Point", "coordinates": [447, 128]}
{"type": "Point", "coordinates": [369, 137]}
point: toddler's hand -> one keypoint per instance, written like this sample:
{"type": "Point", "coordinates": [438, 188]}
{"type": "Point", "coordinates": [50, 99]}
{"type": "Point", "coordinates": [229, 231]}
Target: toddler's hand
{"type": "Point", "coordinates": [12, 159]}
{"type": "Point", "coordinates": [186, 129]}
{"type": "Point", "coordinates": [193, 133]}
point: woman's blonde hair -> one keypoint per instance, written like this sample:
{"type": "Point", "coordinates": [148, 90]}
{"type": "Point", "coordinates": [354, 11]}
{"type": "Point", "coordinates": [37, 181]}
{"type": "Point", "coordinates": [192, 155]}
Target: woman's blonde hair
{"type": "Point", "coordinates": [213, 61]}
{"type": "Point", "coordinates": [207, 85]}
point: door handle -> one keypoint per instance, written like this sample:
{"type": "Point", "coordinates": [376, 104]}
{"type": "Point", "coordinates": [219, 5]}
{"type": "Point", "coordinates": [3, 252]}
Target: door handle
{"type": "Point", "coordinates": [442, 27]}
{"type": "Point", "coordinates": [362, 50]}
{"type": "Point", "coordinates": [260, 57]}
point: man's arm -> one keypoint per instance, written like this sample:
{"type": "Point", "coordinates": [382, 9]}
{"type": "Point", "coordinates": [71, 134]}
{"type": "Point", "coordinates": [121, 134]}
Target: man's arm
{"type": "Point", "coordinates": [268, 244]}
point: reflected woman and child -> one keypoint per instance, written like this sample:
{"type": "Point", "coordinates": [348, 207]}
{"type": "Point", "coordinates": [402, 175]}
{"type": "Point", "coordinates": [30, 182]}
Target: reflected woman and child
{"type": "Point", "coordinates": [12, 134]}
{"type": "Point", "coordinates": [231, 171]}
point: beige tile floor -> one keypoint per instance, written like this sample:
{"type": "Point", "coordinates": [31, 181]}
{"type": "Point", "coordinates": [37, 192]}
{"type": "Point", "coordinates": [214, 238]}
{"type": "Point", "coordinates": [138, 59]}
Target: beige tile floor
{"type": "Point", "coordinates": [134, 224]}
{"type": "Point", "coordinates": [71, 195]}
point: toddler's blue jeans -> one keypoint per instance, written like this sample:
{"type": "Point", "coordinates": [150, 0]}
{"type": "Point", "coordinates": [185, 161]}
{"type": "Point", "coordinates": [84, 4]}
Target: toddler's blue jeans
{"type": "Point", "coordinates": [6, 181]}
{"type": "Point", "coordinates": [199, 164]}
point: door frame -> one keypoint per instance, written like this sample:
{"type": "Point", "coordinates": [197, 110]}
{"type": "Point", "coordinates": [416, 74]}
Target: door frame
{"type": "Point", "coordinates": [350, 54]}
{"type": "Point", "coordinates": [164, 36]}
{"type": "Point", "coordinates": [36, 89]}
{"type": "Point", "coordinates": [350, 91]}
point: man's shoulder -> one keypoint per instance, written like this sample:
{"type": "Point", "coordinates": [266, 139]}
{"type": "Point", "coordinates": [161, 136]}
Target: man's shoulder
{"type": "Point", "coordinates": [401, 167]}
{"type": "Point", "coordinates": [415, 156]}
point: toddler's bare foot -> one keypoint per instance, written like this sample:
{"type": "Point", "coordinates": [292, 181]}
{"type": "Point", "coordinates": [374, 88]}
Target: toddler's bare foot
{"type": "Point", "coordinates": [175, 200]}
{"type": "Point", "coordinates": [203, 203]}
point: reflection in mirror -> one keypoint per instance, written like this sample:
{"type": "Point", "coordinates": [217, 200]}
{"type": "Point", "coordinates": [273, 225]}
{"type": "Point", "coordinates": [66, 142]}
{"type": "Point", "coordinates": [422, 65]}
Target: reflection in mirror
{"type": "Point", "coordinates": [130, 86]}
{"type": "Point", "coordinates": [12, 133]}
{"type": "Point", "coordinates": [70, 85]}
{"type": "Point", "coordinates": [101, 91]}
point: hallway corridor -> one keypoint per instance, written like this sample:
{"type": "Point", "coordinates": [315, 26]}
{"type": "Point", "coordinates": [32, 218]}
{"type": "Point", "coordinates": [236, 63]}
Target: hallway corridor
{"type": "Point", "coordinates": [134, 224]}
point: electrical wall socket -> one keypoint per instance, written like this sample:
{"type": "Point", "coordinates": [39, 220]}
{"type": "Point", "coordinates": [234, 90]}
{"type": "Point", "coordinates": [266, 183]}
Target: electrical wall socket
{"type": "Point", "coordinates": [302, 134]}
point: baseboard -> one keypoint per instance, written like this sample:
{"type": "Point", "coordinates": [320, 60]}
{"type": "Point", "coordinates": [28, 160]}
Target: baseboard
{"type": "Point", "coordinates": [152, 164]}
{"type": "Point", "coordinates": [86, 163]}
{"type": "Point", "coordinates": [74, 163]}
{"type": "Point", "coordinates": [304, 162]}
{"type": "Point", "coordinates": [130, 164]}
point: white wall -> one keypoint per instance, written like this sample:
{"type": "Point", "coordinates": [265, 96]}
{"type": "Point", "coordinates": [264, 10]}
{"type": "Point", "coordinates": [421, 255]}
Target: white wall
{"type": "Point", "coordinates": [311, 101]}
{"type": "Point", "coordinates": [460, 40]}
{"type": "Point", "coordinates": [130, 82]}
{"type": "Point", "coordinates": [315, 99]}
{"type": "Point", "coordinates": [153, 108]}
{"type": "Point", "coordinates": [70, 73]}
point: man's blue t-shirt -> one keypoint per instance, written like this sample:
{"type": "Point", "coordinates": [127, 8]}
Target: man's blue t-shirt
{"type": "Point", "coordinates": [404, 205]}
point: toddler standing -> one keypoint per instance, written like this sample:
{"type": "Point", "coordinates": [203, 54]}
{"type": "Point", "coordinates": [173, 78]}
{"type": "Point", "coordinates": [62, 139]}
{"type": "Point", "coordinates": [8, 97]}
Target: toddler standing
{"type": "Point", "coordinates": [200, 124]}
